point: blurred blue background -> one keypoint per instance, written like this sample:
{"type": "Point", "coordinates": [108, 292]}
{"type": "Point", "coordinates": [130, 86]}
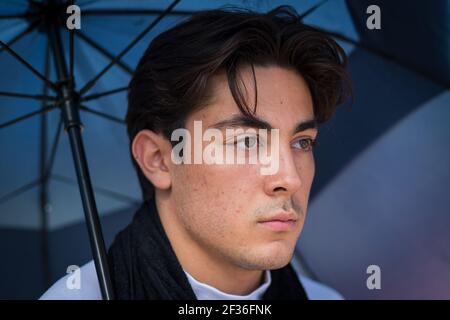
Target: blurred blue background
{"type": "Point", "coordinates": [382, 189]}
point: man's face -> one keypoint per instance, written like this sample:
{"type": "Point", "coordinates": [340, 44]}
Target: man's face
{"type": "Point", "coordinates": [222, 206]}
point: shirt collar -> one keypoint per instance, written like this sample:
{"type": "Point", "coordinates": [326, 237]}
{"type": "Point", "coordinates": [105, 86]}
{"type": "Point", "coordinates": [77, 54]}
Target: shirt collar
{"type": "Point", "coordinates": [204, 291]}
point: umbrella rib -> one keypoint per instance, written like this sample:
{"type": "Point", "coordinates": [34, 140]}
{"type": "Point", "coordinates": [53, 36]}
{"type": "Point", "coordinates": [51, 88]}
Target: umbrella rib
{"type": "Point", "coordinates": [29, 66]}
{"type": "Point", "coordinates": [102, 94]}
{"type": "Point", "coordinates": [19, 36]}
{"type": "Point", "coordinates": [138, 12]}
{"type": "Point", "coordinates": [71, 51]}
{"type": "Point", "coordinates": [384, 55]}
{"type": "Point", "coordinates": [87, 2]}
{"type": "Point", "coordinates": [19, 191]}
{"type": "Point", "coordinates": [103, 51]}
{"type": "Point", "coordinates": [312, 9]}
{"type": "Point", "coordinates": [71, 58]}
{"type": "Point", "coordinates": [40, 97]}
{"type": "Point", "coordinates": [28, 186]}
{"type": "Point", "coordinates": [15, 16]}
{"type": "Point", "coordinates": [92, 82]}
{"type": "Point", "coordinates": [55, 144]}
{"type": "Point", "coordinates": [43, 194]}
{"type": "Point", "coordinates": [44, 177]}
{"type": "Point", "coordinates": [112, 194]}
{"type": "Point", "coordinates": [26, 116]}
{"type": "Point", "coordinates": [103, 115]}
{"type": "Point", "coordinates": [56, 139]}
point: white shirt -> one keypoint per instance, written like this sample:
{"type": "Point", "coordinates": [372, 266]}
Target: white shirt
{"type": "Point", "coordinates": [90, 288]}
{"type": "Point", "coordinates": [204, 291]}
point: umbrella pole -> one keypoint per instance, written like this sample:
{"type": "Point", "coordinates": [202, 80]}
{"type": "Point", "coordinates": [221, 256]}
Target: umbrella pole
{"type": "Point", "coordinates": [73, 126]}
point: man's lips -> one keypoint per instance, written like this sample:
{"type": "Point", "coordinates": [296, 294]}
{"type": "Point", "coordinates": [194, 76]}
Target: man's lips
{"type": "Point", "coordinates": [284, 221]}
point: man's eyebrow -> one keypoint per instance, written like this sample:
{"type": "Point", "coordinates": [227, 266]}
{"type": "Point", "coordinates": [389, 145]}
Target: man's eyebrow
{"type": "Point", "coordinates": [305, 125]}
{"type": "Point", "coordinates": [241, 120]}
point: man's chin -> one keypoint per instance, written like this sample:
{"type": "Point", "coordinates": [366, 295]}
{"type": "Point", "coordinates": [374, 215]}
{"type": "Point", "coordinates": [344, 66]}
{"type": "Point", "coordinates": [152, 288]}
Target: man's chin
{"type": "Point", "coordinates": [272, 256]}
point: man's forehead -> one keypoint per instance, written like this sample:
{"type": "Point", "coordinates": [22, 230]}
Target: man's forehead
{"type": "Point", "coordinates": [280, 108]}
{"type": "Point", "coordinates": [229, 116]}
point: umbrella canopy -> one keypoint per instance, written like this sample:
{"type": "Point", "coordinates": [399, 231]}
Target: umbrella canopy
{"type": "Point", "coordinates": [379, 196]}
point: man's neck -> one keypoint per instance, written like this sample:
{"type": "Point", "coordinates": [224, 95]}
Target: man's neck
{"type": "Point", "coordinates": [204, 264]}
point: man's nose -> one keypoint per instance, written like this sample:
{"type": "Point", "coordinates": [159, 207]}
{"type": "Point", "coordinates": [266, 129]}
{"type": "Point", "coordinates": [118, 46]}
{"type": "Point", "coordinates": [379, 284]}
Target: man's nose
{"type": "Point", "coordinates": [287, 178]}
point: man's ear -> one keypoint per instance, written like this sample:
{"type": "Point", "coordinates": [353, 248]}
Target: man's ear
{"type": "Point", "coordinates": [151, 151]}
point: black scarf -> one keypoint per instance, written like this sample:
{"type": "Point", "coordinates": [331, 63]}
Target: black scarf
{"type": "Point", "coordinates": [144, 266]}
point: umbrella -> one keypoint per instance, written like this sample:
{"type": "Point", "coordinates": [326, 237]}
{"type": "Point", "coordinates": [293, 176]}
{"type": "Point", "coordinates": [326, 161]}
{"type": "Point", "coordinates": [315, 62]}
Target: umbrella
{"type": "Point", "coordinates": [380, 195]}
{"type": "Point", "coordinates": [401, 79]}
{"type": "Point", "coordinates": [48, 17]}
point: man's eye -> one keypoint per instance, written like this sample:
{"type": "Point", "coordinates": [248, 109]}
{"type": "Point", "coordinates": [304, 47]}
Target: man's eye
{"type": "Point", "coordinates": [304, 144]}
{"type": "Point", "coordinates": [247, 142]}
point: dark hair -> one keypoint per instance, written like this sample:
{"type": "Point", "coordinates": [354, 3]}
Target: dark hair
{"type": "Point", "coordinates": [172, 77]}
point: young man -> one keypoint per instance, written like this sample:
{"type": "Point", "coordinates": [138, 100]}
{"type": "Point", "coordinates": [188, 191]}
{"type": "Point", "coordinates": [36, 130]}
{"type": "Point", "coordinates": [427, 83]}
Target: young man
{"type": "Point", "coordinates": [239, 96]}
